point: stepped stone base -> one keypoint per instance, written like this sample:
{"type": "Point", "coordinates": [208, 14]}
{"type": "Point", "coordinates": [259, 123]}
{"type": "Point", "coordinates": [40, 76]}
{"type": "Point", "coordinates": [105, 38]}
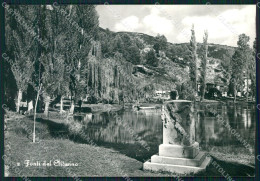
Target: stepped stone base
{"type": "Point", "coordinates": [179, 151]}
{"type": "Point", "coordinates": [178, 165]}
{"type": "Point", "coordinates": [196, 162]}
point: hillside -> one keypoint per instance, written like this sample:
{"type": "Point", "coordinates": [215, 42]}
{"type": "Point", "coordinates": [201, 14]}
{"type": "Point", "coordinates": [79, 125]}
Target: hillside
{"type": "Point", "coordinates": [163, 68]}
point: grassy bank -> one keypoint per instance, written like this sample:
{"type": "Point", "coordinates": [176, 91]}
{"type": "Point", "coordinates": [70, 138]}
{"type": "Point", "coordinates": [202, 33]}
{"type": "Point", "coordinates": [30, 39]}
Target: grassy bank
{"type": "Point", "coordinates": [91, 160]}
{"type": "Point", "coordinates": [234, 154]}
{"type": "Point", "coordinates": [54, 143]}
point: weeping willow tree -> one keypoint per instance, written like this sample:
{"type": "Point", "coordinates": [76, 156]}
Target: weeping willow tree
{"type": "Point", "coordinates": [78, 46]}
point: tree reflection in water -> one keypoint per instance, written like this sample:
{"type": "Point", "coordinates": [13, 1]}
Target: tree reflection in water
{"type": "Point", "coordinates": [145, 126]}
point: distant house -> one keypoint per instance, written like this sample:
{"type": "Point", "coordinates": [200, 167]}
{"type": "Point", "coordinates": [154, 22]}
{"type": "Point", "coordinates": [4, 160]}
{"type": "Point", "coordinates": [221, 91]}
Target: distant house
{"type": "Point", "coordinates": [246, 85]}
{"type": "Point", "coordinates": [209, 86]}
{"type": "Point", "coordinates": [159, 94]}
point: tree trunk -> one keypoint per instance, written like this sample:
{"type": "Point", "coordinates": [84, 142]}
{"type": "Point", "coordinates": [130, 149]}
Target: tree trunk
{"type": "Point", "coordinates": [47, 103]}
{"type": "Point", "coordinates": [19, 98]}
{"type": "Point", "coordinates": [196, 77]}
{"type": "Point", "coordinates": [247, 87]}
{"type": "Point", "coordinates": [61, 105]}
{"type": "Point", "coordinates": [235, 95]}
{"type": "Point", "coordinates": [35, 109]}
{"type": "Point", "coordinates": [203, 92]}
{"type": "Point", "coordinates": [204, 66]}
{"type": "Point", "coordinates": [72, 107]}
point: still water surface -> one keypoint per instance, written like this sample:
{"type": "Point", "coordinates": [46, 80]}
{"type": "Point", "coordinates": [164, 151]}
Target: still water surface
{"type": "Point", "coordinates": [141, 133]}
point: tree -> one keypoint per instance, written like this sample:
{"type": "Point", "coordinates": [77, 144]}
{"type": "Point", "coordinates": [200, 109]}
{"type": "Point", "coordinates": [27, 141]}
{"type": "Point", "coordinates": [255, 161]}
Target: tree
{"type": "Point", "coordinates": [186, 91]}
{"type": "Point", "coordinates": [117, 44]}
{"type": "Point", "coordinates": [35, 110]}
{"type": "Point", "coordinates": [134, 54]}
{"type": "Point", "coordinates": [236, 81]}
{"type": "Point", "coordinates": [252, 70]}
{"type": "Point", "coordinates": [55, 76]}
{"type": "Point", "coordinates": [226, 67]}
{"type": "Point", "coordinates": [127, 47]}
{"type": "Point", "coordinates": [204, 65]}
{"type": "Point", "coordinates": [20, 46]}
{"type": "Point", "coordinates": [78, 48]}
{"type": "Point", "coordinates": [193, 63]}
{"type": "Point", "coordinates": [106, 41]}
{"type": "Point", "coordinates": [25, 45]}
{"type": "Point", "coordinates": [238, 64]}
{"type": "Point", "coordinates": [151, 58]}
{"type": "Point", "coordinates": [160, 44]}
{"type": "Point", "coordinates": [22, 68]}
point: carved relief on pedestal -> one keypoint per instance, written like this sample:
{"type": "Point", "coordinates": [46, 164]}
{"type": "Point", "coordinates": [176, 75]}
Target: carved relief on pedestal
{"type": "Point", "coordinates": [178, 123]}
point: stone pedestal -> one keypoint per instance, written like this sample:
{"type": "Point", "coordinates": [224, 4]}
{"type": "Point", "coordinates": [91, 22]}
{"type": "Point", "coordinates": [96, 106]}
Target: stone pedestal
{"type": "Point", "coordinates": [179, 152]}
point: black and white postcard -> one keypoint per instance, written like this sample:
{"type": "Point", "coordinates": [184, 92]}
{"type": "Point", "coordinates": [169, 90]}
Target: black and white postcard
{"type": "Point", "coordinates": [129, 90]}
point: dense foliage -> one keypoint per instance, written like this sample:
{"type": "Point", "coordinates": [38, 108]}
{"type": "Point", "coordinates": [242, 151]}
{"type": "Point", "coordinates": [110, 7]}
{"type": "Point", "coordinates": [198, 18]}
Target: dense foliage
{"type": "Point", "coordinates": [63, 49]}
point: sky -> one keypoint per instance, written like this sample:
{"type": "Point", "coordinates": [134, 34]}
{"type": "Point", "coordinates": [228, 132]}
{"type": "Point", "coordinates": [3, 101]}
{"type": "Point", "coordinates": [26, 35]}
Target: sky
{"type": "Point", "coordinates": [224, 23]}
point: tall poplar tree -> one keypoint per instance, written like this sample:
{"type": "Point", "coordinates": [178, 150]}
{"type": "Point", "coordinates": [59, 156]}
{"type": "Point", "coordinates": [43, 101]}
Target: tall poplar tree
{"type": "Point", "coordinates": [204, 65]}
{"type": "Point", "coordinates": [21, 45]}
{"type": "Point", "coordinates": [193, 63]}
{"type": "Point", "coordinates": [238, 64]}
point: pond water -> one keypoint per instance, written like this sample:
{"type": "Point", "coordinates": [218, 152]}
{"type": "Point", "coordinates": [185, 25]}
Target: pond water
{"type": "Point", "coordinates": [139, 133]}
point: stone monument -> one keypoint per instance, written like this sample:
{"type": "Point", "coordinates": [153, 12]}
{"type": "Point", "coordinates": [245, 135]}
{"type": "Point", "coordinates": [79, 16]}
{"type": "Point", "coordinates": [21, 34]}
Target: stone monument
{"type": "Point", "coordinates": [179, 152]}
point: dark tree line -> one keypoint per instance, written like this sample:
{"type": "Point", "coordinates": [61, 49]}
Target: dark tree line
{"type": "Point", "coordinates": [42, 50]}
{"type": "Point", "coordinates": [63, 50]}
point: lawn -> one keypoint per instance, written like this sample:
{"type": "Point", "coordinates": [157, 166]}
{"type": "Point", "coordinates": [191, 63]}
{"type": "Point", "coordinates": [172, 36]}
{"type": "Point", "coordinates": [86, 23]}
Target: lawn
{"type": "Point", "coordinates": [55, 149]}
{"type": "Point", "coordinates": [91, 160]}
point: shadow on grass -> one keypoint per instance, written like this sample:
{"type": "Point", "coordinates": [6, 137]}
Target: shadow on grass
{"type": "Point", "coordinates": [231, 168]}
{"type": "Point", "coordinates": [57, 130]}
